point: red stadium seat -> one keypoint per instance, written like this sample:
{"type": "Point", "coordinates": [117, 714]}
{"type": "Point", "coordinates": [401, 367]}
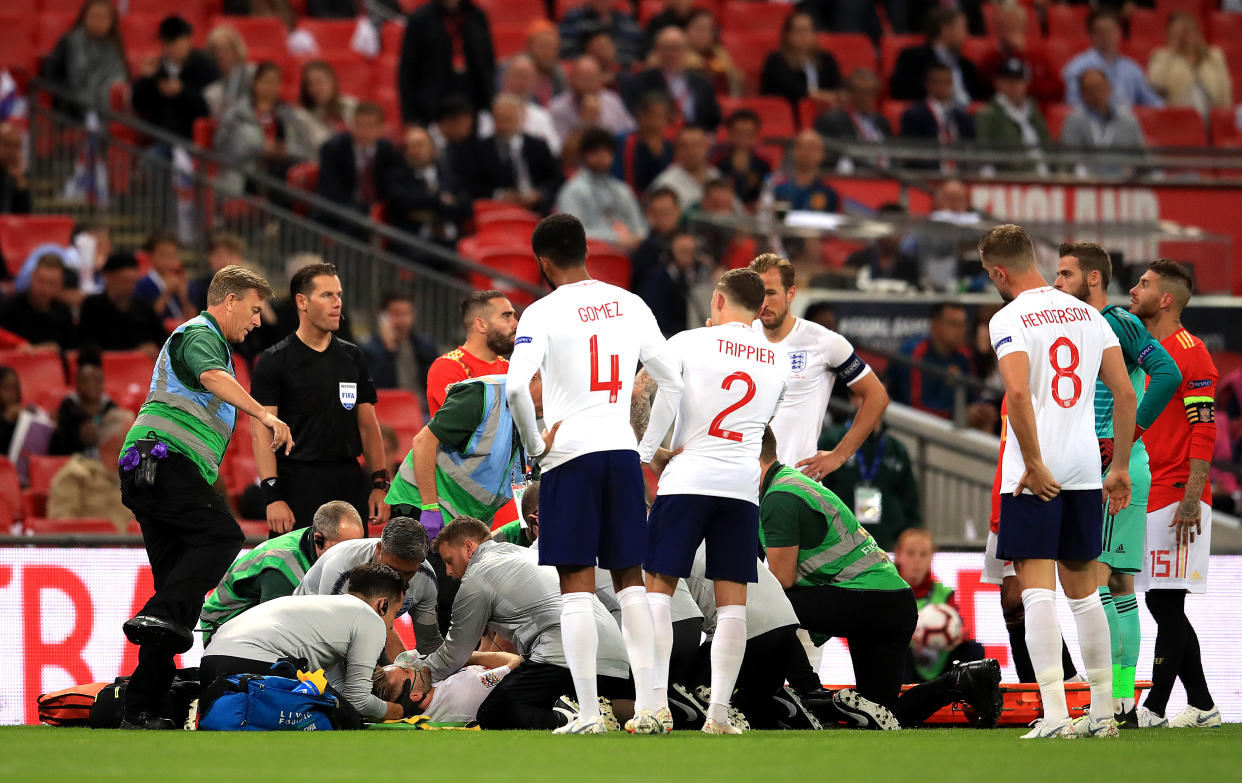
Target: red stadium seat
{"type": "Point", "coordinates": [59, 6]}
{"type": "Point", "coordinates": [1225, 27]}
{"type": "Point", "coordinates": [127, 377]}
{"type": "Point", "coordinates": [890, 48]}
{"type": "Point", "coordinates": [259, 32]}
{"type": "Point", "coordinates": [892, 111]}
{"type": "Point", "coordinates": [1147, 23]}
{"type": "Point", "coordinates": [391, 35]}
{"type": "Point", "coordinates": [40, 526]}
{"type": "Point", "coordinates": [518, 223]}
{"type": "Point", "coordinates": [20, 234]}
{"type": "Point", "coordinates": [140, 31]}
{"type": "Point", "coordinates": [977, 48]}
{"type": "Point", "coordinates": [508, 41]}
{"type": "Point", "coordinates": [332, 35]}
{"type": "Point", "coordinates": [354, 74]}
{"type": "Point", "coordinates": [10, 491]}
{"type": "Point", "coordinates": [749, 49]}
{"type": "Point", "coordinates": [42, 469]}
{"type": "Point", "coordinates": [751, 16]}
{"type": "Point", "coordinates": [1171, 126]}
{"type": "Point", "coordinates": [239, 471]}
{"type": "Point", "coordinates": [611, 266]}
{"type": "Point", "coordinates": [1067, 21]}
{"type": "Point", "coordinates": [775, 113]}
{"type": "Point", "coordinates": [515, 262]}
{"type": "Point", "coordinates": [40, 372]}
{"type": "Point", "coordinates": [17, 41]}
{"type": "Point", "coordinates": [1060, 51]}
{"type": "Point", "coordinates": [1225, 131]}
{"type": "Point", "coordinates": [851, 50]}
{"type": "Point", "coordinates": [50, 27]}
{"type": "Point", "coordinates": [1054, 115]}
{"type": "Point", "coordinates": [399, 409]}
{"type": "Point", "coordinates": [253, 528]}
{"type": "Point", "coordinates": [475, 245]}
{"type": "Point", "coordinates": [511, 13]}
{"type": "Point", "coordinates": [1139, 48]}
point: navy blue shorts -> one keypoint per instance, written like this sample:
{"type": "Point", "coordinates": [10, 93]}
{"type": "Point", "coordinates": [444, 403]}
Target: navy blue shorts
{"type": "Point", "coordinates": [679, 523]}
{"type": "Point", "coordinates": [592, 509]}
{"type": "Point", "coordinates": [1068, 527]}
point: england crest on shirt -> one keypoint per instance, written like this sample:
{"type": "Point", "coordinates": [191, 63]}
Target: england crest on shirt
{"type": "Point", "coordinates": [349, 394]}
{"type": "Point", "coordinates": [797, 361]}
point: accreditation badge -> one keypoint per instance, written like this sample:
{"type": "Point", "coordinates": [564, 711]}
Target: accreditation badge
{"type": "Point", "coordinates": [868, 505]}
{"type": "Point", "coordinates": [349, 394]}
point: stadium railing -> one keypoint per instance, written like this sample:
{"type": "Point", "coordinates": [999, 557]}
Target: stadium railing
{"type": "Point", "coordinates": [103, 172]}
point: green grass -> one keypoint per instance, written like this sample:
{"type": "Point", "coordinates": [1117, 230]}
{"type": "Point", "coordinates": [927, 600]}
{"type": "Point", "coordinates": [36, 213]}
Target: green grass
{"type": "Point", "coordinates": [957, 755]}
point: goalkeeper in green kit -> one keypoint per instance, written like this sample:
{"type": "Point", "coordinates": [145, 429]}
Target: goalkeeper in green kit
{"type": "Point", "coordinates": [1085, 271]}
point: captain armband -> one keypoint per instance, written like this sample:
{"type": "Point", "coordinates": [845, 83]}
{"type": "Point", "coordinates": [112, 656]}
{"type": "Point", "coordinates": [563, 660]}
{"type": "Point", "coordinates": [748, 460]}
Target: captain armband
{"type": "Point", "coordinates": [1200, 410]}
{"type": "Point", "coordinates": [851, 369]}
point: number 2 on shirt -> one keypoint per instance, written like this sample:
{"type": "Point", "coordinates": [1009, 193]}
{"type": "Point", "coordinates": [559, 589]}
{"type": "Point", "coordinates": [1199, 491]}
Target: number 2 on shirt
{"type": "Point", "coordinates": [1064, 371]}
{"type": "Point", "coordinates": [716, 430]}
{"type": "Point", "coordinates": [613, 384]}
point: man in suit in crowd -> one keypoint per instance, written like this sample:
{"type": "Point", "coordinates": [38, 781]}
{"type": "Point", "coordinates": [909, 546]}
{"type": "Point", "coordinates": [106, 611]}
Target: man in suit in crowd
{"type": "Point", "coordinates": [946, 32]}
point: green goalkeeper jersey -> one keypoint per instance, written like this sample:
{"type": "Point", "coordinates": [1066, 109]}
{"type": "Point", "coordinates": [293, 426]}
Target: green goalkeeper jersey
{"type": "Point", "coordinates": [1145, 357]}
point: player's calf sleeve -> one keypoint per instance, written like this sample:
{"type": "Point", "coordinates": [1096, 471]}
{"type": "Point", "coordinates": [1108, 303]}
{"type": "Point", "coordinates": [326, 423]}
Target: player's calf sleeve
{"type": "Point", "coordinates": [580, 641]}
{"type": "Point", "coordinates": [1168, 609]}
{"type": "Point", "coordinates": [1191, 672]}
{"type": "Point", "coordinates": [1043, 642]}
{"type": "Point", "coordinates": [639, 636]}
{"type": "Point", "coordinates": [1114, 627]}
{"type": "Point", "coordinates": [1097, 657]}
{"type": "Point", "coordinates": [728, 648]}
{"type": "Point", "coordinates": [1128, 625]}
{"type": "Point", "coordinates": [662, 625]}
{"type": "Point", "coordinates": [1015, 625]}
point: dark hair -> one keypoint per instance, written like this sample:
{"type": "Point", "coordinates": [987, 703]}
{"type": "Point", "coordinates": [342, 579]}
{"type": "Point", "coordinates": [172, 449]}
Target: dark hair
{"type": "Point", "coordinates": [461, 529]}
{"type": "Point", "coordinates": [118, 260]}
{"type": "Point", "coordinates": [696, 14]}
{"type": "Point", "coordinates": [303, 281]}
{"type": "Point", "coordinates": [370, 109]}
{"type": "Point", "coordinates": [742, 287]}
{"type": "Point", "coordinates": [1091, 258]}
{"type": "Point", "coordinates": [787, 25]}
{"type": "Point", "coordinates": [590, 33]}
{"type": "Point", "coordinates": [454, 105]}
{"type": "Point", "coordinates": [939, 308]}
{"type": "Point", "coordinates": [114, 35]}
{"type": "Point", "coordinates": [225, 241]}
{"type": "Point", "coordinates": [333, 109]}
{"type": "Point", "coordinates": [261, 70]}
{"type": "Point", "coordinates": [475, 302]}
{"type": "Point", "coordinates": [936, 67]}
{"type": "Point", "coordinates": [767, 446]}
{"type": "Point", "coordinates": [815, 308]}
{"type": "Point", "coordinates": [596, 139]}
{"type": "Point", "coordinates": [173, 27]}
{"type": "Point", "coordinates": [939, 19]}
{"type": "Point", "coordinates": [1101, 13]}
{"type": "Point", "coordinates": [90, 355]}
{"type": "Point", "coordinates": [717, 182]}
{"type": "Point", "coordinates": [743, 115]}
{"type": "Point", "coordinates": [372, 580]}
{"type": "Point", "coordinates": [159, 237]}
{"type": "Point", "coordinates": [561, 239]}
{"type": "Point", "coordinates": [1082, 77]}
{"type": "Point", "coordinates": [50, 261]}
{"type": "Point", "coordinates": [1168, 269]}
{"type": "Point", "coordinates": [394, 296]}
{"type": "Point", "coordinates": [1007, 246]}
{"type": "Point", "coordinates": [664, 191]}
{"type": "Point", "coordinates": [653, 98]}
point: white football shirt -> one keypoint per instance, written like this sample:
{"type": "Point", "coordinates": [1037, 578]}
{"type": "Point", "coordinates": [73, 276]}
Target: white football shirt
{"type": "Point", "coordinates": [457, 698]}
{"type": "Point", "coordinates": [1064, 341]}
{"type": "Point", "coordinates": [817, 357]}
{"type": "Point", "coordinates": [733, 379]}
{"type": "Point", "coordinates": [587, 339]}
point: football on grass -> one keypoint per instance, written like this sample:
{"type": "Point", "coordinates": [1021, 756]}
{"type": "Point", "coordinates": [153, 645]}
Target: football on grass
{"type": "Point", "coordinates": [939, 628]}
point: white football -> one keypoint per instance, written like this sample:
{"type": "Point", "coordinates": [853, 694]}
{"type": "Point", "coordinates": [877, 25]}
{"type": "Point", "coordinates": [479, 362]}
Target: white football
{"type": "Point", "coordinates": [939, 628]}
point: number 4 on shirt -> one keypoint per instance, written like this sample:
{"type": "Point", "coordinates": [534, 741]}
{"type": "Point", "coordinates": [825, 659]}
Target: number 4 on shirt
{"type": "Point", "coordinates": [613, 384]}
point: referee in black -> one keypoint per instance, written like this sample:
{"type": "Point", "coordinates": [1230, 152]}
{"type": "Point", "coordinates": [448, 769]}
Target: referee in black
{"type": "Point", "coordinates": [321, 386]}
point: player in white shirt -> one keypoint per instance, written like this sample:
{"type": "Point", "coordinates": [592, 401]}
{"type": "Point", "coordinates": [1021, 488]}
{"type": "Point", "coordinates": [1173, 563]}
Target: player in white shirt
{"type": "Point", "coordinates": [586, 338]}
{"type": "Point", "coordinates": [817, 358]}
{"type": "Point", "coordinates": [733, 381]}
{"type": "Point", "coordinates": [456, 698]}
{"type": "Point", "coordinates": [1051, 348]}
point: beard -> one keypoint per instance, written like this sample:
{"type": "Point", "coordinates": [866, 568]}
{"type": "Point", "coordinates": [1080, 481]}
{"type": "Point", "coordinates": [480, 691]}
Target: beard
{"type": "Point", "coordinates": [1144, 312]}
{"type": "Point", "coordinates": [773, 320]}
{"type": "Point", "coordinates": [499, 343]}
{"type": "Point", "coordinates": [1083, 293]}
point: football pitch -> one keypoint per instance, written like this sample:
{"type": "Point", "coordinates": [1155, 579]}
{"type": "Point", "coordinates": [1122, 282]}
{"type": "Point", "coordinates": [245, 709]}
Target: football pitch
{"type": "Point", "coordinates": [957, 755]}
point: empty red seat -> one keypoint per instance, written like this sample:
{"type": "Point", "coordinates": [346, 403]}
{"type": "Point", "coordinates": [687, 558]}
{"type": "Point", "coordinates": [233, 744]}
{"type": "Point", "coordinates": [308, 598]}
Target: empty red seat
{"type": "Point", "coordinates": [332, 35]}
{"type": "Point", "coordinates": [58, 6]}
{"type": "Point", "coordinates": [512, 12]}
{"type": "Point", "coordinates": [354, 73]}
{"type": "Point", "coordinates": [1225, 26]}
{"type": "Point", "coordinates": [517, 223]}
{"type": "Point", "coordinates": [610, 266]}
{"type": "Point", "coordinates": [1054, 115]}
{"type": "Point", "coordinates": [239, 472]}
{"type": "Point", "coordinates": [41, 526]}
{"type": "Point", "coordinates": [259, 32]}
{"type": "Point", "coordinates": [892, 111]}
{"type": "Point", "coordinates": [127, 377]}
{"type": "Point", "coordinates": [851, 51]}
{"type": "Point", "coordinates": [399, 409]}
{"type": "Point", "coordinates": [508, 40]}
{"type": "Point", "coordinates": [1067, 21]}
{"type": "Point", "coordinates": [514, 262]}
{"type": "Point", "coordinates": [10, 491]}
{"type": "Point", "coordinates": [41, 469]}
{"type": "Point", "coordinates": [391, 35]}
{"type": "Point", "coordinates": [20, 234]}
{"type": "Point", "coordinates": [141, 31]}
{"type": "Point", "coordinates": [1147, 23]}
{"type": "Point", "coordinates": [1225, 129]}
{"type": "Point", "coordinates": [749, 48]}
{"type": "Point", "coordinates": [473, 246]}
{"type": "Point", "coordinates": [1171, 126]}
{"type": "Point", "coordinates": [40, 372]}
{"type": "Point", "coordinates": [253, 528]}
{"type": "Point", "coordinates": [775, 113]}
{"type": "Point", "coordinates": [748, 15]}
{"type": "Point", "coordinates": [1139, 48]}
{"type": "Point", "coordinates": [49, 27]}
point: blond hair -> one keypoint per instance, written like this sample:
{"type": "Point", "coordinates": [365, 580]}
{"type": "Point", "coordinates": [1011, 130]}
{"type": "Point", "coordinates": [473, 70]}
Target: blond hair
{"type": "Point", "coordinates": [236, 280]}
{"type": "Point", "coordinates": [1007, 246]}
{"type": "Point", "coordinates": [227, 34]}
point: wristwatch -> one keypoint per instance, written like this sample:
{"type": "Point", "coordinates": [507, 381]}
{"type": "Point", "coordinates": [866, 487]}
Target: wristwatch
{"type": "Point", "coordinates": [379, 480]}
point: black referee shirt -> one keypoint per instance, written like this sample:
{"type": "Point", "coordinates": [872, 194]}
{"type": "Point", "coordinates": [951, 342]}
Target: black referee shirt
{"type": "Point", "coordinates": [317, 395]}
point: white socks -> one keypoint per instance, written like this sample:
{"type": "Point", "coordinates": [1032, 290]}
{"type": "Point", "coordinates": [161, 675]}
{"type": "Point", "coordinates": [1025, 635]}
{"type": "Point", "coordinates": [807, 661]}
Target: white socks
{"type": "Point", "coordinates": [1097, 656]}
{"type": "Point", "coordinates": [662, 622]}
{"type": "Point", "coordinates": [728, 647]}
{"type": "Point", "coordinates": [581, 642]}
{"type": "Point", "coordinates": [1043, 642]}
{"type": "Point", "coordinates": [640, 644]}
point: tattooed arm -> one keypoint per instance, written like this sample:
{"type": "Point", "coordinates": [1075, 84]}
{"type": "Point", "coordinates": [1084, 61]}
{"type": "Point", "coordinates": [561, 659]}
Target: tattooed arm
{"type": "Point", "coordinates": [640, 402]}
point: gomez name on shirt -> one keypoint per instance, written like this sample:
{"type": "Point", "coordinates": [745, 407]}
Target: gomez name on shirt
{"type": "Point", "coordinates": [599, 312]}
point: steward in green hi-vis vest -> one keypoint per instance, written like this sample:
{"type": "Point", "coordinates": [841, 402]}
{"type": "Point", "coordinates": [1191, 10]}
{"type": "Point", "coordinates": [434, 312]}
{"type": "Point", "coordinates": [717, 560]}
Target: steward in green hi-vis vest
{"type": "Point", "coordinates": [270, 570]}
{"type": "Point", "coordinates": [843, 554]}
{"type": "Point", "coordinates": [478, 459]}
